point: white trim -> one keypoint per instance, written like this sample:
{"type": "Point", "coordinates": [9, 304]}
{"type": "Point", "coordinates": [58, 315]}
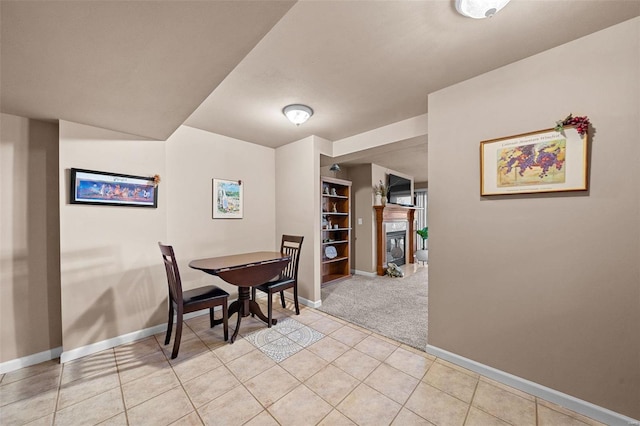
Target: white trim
{"type": "Point", "coordinates": [310, 303]}
{"type": "Point", "coordinates": [26, 361]}
{"type": "Point", "coordinates": [289, 296]}
{"type": "Point", "coordinates": [125, 338]}
{"type": "Point", "coordinates": [366, 274]}
{"type": "Point", "coordinates": [580, 406]}
{"type": "Point", "coordinates": [67, 356]}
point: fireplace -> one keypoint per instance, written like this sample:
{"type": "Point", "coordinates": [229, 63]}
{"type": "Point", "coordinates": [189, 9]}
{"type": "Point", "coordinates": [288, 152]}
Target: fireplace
{"type": "Point", "coordinates": [391, 219]}
{"type": "Point", "coordinates": [396, 244]}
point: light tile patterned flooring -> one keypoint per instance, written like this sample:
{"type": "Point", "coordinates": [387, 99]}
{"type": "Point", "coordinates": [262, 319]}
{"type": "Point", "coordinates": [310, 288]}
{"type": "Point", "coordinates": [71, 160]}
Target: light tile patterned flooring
{"type": "Point", "coordinates": [311, 369]}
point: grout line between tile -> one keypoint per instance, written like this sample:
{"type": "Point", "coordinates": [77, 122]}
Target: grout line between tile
{"type": "Point", "coordinates": [411, 394]}
{"type": "Point", "coordinates": [55, 407]}
{"type": "Point", "coordinates": [186, 393]}
{"type": "Point", "coordinates": [124, 405]}
{"type": "Point", "coordinates": [119, 366]}
{"type": "Point", "coordinates": [475, 389]}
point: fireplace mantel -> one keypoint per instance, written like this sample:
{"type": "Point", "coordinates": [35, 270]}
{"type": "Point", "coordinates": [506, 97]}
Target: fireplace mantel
{"type": "Point", "coordinates": [393, 213]}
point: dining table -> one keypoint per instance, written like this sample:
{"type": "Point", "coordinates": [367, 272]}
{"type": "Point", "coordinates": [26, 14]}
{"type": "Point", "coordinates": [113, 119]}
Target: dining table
{"type": "Point", "coordinates": [244, 270]}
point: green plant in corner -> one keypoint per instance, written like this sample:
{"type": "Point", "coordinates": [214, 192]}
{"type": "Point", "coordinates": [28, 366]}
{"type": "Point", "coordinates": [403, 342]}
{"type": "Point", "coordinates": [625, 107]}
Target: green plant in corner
{"type": "Point", "coordinates": [424, 233]}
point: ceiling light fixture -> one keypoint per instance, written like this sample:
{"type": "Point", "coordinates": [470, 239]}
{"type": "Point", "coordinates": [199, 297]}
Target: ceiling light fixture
{"type": "Point", "coordinates": [479, 9]}
{"type": "Point", "coordinates": [297, 113]}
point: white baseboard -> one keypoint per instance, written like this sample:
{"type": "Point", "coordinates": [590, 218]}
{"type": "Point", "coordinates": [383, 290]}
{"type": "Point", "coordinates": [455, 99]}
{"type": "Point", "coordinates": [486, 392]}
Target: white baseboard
{"type": "Point", "coordinates": [16, 364]}
{"type": "Point", "coordinates": [289, 296]}
{"type": "Point", "coordinates": [365, 273]}
{"type": "Point", "coordinates": [66, 356]}
{"type": "Point", "coordinates": [125, 338]}
{"type": "Point", "coordinates": [588, 409]}
{"type": "Point", "coordinates": [310, 303]}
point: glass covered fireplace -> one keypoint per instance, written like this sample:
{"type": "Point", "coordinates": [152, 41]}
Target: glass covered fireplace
{"type": "Point", "coordinates": [394, 218]}
{"type": "Point", "coordinates": [396, 239]}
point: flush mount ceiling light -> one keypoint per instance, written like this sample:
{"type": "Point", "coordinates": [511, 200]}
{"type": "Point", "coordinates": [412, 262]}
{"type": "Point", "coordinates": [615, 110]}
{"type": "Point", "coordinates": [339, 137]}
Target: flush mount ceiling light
{"type": "Point", "coordinates": [297, 114]}
{"type": "Point", "coordinates": [334, 167]}
{"type": "Point", "coordinates": [479, 9]}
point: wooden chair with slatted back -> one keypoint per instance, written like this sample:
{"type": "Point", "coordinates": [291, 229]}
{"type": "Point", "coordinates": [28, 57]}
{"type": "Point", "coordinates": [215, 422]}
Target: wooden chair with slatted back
{"type": "Point", "coordinates": [288, 278]}
{"type": "Point", "coordinates": [182, 302]}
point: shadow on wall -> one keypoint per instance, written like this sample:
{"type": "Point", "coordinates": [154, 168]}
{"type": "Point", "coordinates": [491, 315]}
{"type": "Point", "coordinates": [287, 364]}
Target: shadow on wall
{"type": "Point", "coordinates": [31, 265]}
{"type": "Point", "coordinates": [146, 294]}
{"type": "Point", "coordinates": [104, 300]}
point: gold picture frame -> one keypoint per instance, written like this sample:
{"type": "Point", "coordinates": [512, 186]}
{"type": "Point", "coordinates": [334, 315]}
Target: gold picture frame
{"type": "Point", "coordinates": [536, 162]}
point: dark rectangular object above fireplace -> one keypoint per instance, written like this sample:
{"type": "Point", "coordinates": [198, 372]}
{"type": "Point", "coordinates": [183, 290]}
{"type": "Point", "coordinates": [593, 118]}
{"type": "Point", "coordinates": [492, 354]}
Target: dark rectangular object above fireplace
{"type": "Point", "coordinates": [399, 190]}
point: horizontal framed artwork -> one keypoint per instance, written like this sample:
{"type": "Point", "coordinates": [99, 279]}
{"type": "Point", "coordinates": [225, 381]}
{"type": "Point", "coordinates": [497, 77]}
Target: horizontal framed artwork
{"type": "Point", "coordinates": [544, 161]}
{"type": "Point", "coordinates": [227, 199]}
{"type": "Point", "coordinates": [112, 189]}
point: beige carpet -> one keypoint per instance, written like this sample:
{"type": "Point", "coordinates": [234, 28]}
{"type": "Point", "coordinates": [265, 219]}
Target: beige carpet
{"type": "Point", "coordinates": [393, 307]}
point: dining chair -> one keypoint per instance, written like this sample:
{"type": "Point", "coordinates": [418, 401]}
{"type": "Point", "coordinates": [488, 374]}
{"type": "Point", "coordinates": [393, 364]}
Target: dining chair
{"type": "Point", "coordinates": [288, 278]}
{"type": "Point", "coordinates": [182, 302]}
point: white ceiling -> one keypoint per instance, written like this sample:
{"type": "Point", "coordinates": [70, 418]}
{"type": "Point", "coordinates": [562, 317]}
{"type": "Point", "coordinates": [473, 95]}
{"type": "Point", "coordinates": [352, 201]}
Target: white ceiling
{"type": "Point", "coordinates": [230, 67]}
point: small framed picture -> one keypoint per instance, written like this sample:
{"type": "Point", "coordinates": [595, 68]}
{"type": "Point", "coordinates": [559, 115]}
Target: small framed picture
{"type": "Point", "coordinates": [543, 161]}
{"type": "Point", "coordinates": [112, 189]}
{"type": "Point", "coordinates": [227, 199]}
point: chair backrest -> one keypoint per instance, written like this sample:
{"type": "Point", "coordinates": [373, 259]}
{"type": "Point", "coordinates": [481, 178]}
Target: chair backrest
{"type": "Point", "coordinates": [291, 246]}
{"type": "Point", "coordinates": [173, 274]}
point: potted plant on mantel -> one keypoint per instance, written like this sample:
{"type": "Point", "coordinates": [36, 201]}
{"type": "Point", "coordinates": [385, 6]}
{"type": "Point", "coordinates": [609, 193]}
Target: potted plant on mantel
{"type": "Point", "coordinates": [380, 193]}
{"type": "Point", "coordinates": [423, 255]}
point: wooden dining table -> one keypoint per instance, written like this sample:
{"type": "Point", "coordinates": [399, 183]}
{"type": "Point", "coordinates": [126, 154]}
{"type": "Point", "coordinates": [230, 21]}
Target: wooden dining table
{"type": "Point", "coordinates": [244, 271]}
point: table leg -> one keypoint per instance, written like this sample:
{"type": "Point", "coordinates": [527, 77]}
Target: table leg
{"type": "Point", "coordinates": [244, 306]}
{"type": "Point", "coordinates": [234, 308]}
{"type": "Point", "coordinates": [254, 308]}
{"type": "Point", "coordinates": [241, 307]}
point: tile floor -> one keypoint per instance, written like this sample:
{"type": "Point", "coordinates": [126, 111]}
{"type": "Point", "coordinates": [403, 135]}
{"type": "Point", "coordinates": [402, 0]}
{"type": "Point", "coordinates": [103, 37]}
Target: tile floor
{"type": "Point", "coordinates": [311, 369]}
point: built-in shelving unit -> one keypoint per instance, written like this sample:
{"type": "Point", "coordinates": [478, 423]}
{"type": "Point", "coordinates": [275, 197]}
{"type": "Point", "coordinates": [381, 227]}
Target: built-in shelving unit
{"type": "Point", "coordinates": [336, 229]}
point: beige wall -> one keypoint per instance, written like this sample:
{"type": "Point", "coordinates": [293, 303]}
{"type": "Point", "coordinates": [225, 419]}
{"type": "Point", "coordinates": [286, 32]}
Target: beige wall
{"type": "Point", "coordinates": [29, 235]}
{"type": "Point", "coordinates": [194, 158]}
{"type": "Point", "coordinates": [297, 208]}
{"type": "Point", "coordinates": [545, 287]}
{"type": "Point", "coordinates": [112, 280]}
{"type": "Point", "coordinates": [363, 234]}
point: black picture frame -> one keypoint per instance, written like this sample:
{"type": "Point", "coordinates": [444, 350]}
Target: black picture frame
{"type": "Point", "coordinates": [112, 189]}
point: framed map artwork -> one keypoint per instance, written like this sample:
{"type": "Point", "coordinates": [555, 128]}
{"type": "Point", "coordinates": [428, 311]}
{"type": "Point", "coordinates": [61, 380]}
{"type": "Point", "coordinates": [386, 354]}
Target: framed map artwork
{"type": "Point", "coordinates": [543, 161]}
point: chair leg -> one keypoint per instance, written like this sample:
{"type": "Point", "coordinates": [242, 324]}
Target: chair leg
{"type": "Point", "coordinates": [178, 337]}
{"type": "Point", "coordinates": [253, 297]}
{"type": "Point", "coordinates": [270, 309]}
{"type": "Point", "coordinates": [282, 299]}
{"type": "Point", "coordinates": [295, 298]}
{"type": "Point", "coordinates": [169, 324]}
{"type": "Point", "coordinates": [225, 320]}
{"type": "Point", "coordinates": [211, 324]}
